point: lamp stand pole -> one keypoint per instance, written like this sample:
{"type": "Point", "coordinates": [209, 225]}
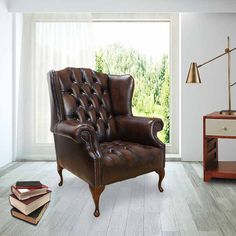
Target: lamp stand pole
{"type": "Point", "coordinates": [229, 111]}
{"type": "Point", "coordinates": [229, 79]}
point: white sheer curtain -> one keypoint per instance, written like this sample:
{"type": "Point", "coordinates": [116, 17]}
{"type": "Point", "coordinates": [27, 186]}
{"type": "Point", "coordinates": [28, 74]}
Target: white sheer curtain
{"type": "Point", "coordinates": [49, 42]}
{"type": "Point", "coordinates": [57, 45]}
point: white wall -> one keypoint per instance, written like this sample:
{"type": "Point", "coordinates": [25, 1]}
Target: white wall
{"type": "Point", "coordinates": [203, 36]}
{"type": "Point", "coordinates": [6, 84]}
{"type": "Point", "coordinates": [123, 5]}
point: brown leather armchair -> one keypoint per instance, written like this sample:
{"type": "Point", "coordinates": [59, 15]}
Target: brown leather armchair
{"type": "Point", "coordinates": [96, 136]}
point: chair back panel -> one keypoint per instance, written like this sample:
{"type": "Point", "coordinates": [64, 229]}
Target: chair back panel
{"type": "Point", "coordinates": [85, 97]}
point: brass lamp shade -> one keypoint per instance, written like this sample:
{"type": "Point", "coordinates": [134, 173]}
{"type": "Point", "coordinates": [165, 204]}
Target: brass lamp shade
{"type": "Point", "coordinates": [193, 74]}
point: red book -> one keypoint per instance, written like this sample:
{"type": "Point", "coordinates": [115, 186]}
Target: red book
{"type": "Point", "coordinates": [25, 193]}
{"type": "Point", "coordinates": [30, 187]}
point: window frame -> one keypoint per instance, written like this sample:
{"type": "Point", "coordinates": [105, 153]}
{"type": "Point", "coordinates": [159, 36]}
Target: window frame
{"type": "Point", "coordinates": [44, 151]}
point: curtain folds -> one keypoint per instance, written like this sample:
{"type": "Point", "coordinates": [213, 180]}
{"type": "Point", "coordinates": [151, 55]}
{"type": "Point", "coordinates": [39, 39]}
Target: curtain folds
{"type": "Point", "coordinates": [47, 44]}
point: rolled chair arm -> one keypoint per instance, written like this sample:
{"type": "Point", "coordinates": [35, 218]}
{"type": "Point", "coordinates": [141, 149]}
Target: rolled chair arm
{"type": "Point", "coordinates": [80, 133]}
{"type": "Point", "coordinates": [142, 130]}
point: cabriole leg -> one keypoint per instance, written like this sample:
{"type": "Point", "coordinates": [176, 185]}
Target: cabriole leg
{"type": "Point", "coordinates": [96, 192]}
{"type": "Point", "coordinates": [59, 170]}
{"type": "Point", "coordinates": [161, 174]}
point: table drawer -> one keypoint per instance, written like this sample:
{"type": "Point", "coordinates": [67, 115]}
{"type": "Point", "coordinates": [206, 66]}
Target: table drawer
{"type": "Point", "coordinates": [220, 127]}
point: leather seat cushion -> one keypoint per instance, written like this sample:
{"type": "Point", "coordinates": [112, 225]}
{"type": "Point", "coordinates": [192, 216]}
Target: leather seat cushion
{"type": "Point", "coordinates": [122, 160]}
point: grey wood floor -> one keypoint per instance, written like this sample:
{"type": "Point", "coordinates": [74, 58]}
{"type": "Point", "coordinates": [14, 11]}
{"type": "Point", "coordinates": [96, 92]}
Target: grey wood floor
{"type": "Point", "coordinates": [188, 206]}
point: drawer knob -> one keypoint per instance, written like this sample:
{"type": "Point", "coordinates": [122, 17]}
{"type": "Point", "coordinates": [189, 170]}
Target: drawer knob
{"type": "Point", "coordinates": [224, 128]}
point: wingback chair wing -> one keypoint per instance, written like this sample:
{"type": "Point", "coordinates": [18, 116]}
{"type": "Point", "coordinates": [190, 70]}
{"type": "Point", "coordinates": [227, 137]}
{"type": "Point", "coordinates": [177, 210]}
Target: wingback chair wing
{"type": "Point", "coordinates": [96, 136]}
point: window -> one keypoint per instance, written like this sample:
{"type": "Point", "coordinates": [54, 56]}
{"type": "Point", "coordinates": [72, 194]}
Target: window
{"type": "Point", "coordinates": [143, 45]}
{"type": "Point", "coordinates": [132, 48]}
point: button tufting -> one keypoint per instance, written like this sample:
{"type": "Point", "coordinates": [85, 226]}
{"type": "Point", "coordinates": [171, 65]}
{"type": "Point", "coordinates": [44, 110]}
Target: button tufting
{"type": "Point", "coordinates": [87, 98]}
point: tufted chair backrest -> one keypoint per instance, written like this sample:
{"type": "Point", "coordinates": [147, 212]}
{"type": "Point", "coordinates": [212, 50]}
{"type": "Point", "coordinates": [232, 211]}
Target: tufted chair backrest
{"type": "Point", "coordinates": [82, 94]}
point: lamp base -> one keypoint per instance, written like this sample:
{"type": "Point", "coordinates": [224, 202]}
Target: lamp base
{"type": "Point", "coordinates": [228, 112]}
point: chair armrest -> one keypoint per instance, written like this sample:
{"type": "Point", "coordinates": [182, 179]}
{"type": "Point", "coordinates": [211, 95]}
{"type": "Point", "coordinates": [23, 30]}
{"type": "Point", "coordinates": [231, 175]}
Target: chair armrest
{"type": "Point", "coordinates": [80, 133]}
{"type": "Point", "coordinates": [142, 130]}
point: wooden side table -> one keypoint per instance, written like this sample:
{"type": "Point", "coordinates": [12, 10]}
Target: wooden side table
{"type": "Point", "coordinates": [217, 126]}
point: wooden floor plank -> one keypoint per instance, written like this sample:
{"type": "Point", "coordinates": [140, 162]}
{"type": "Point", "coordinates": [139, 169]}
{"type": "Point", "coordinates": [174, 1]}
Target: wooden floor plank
{"type": "Point", "coordinates": [135, 220]}
{"type": "Point", "coordinates": [119, 215]}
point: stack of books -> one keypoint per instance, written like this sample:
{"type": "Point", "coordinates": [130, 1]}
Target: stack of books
{"type": "Point", "coordinates": [30, 200]}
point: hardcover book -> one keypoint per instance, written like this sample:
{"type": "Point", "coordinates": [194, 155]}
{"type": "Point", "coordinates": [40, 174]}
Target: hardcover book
{"type": "Point", "coordinates": [29, 205]}
{"type": "Point", "coordinates": [33, 217]}
{"type": "Point", "coordinates": [29, 184]}
{"type": "Point", "coordinates": [26, 193]}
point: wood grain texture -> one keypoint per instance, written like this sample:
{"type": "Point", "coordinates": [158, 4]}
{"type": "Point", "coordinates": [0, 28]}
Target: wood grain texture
{"type": "Point", "coordinates": [188, 206]}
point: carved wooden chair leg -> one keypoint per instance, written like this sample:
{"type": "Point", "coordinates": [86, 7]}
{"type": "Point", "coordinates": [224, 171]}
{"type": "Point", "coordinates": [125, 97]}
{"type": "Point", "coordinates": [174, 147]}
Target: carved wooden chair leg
{"type": "Point", "coordinates": [59, 170]}
{"type": "Point", "coordinates": [161, 174]}
{"type": "Point", "coordinates": [96, 192]}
